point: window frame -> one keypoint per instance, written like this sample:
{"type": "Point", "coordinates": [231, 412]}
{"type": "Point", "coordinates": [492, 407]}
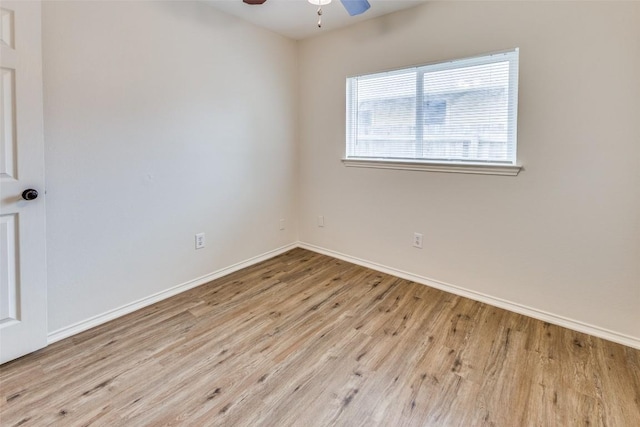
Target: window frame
{"type": "Point", "coordinates": [508, 167]}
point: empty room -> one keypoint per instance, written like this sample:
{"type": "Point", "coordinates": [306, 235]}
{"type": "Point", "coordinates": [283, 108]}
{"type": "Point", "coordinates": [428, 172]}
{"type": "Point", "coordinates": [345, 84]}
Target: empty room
{"type": "Point", "coordinates": [319, 213]}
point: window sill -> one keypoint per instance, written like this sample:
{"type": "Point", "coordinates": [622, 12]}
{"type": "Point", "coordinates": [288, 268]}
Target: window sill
{"type": "Point", "coordinates": [474, 168]}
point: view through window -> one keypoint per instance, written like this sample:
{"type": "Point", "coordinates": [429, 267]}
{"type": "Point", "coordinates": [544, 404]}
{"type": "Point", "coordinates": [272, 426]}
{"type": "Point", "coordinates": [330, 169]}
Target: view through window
{"type": "Point", "coordinates": [461, 111]}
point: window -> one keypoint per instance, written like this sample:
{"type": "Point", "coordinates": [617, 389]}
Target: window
{"type": "Point", "coordinates": [459, 113]}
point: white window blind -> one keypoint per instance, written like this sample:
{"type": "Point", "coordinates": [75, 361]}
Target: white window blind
{"type": "Point", "coordinates": [462, 111]}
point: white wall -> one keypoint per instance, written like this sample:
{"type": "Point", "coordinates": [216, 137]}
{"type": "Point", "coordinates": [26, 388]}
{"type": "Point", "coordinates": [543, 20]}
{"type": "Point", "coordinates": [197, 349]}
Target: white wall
{"type": "Point", "coordinates": [563, 236]}
{"type": "Point", "coordinates": [162, 119]}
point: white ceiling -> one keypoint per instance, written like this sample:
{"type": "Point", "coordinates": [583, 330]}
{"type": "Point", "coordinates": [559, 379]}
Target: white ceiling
{"type": "Point", "coordinates": [297, 19]}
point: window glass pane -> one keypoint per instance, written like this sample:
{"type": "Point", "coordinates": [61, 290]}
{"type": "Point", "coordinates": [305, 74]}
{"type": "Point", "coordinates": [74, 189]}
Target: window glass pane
{"type": "Point", "coordinates": [466, 113]}
{"type": "Point", "coordinates": [386, 108]}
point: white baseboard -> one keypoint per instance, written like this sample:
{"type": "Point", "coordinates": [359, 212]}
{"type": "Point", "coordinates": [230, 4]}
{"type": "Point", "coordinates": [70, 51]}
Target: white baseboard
{"type": "Point", "coordinates": [152, 299]}
{"type": "Point", "coordinates": [476, 296]}
{"type": "Point", "coordinates": [488, 299]}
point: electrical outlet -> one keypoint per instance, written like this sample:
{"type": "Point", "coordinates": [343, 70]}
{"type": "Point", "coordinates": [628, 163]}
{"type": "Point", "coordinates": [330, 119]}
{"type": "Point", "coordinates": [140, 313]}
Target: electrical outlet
{"type": "Point", "coordinates": [320, 221]}
{"type": "Point", "coordinates": [417, 240]}
{"type": "Point", "coordinates": [282, 224]}
{"type": "Point", "coordinates": [199, 240]}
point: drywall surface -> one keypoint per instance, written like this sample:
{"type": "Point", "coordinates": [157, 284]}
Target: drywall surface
{"type": "Point", "coordinates": [162, 120]}
{"type": "Point", "coordinates": [563, 236]}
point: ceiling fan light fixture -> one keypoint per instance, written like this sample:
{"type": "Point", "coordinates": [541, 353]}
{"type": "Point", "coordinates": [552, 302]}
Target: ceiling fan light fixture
{"type": "Point", "coordinates": [319, 2]}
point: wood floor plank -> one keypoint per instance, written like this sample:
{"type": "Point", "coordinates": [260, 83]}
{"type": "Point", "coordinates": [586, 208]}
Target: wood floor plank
{"type": "Point", "coordinates": [303, 339]}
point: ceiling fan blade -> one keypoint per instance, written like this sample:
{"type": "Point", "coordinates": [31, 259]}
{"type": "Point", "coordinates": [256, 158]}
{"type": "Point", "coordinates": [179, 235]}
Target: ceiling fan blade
{"type": "Point", "coordinates": [254, 1]}
{"type": "Point", "coordinates": [356, 7]}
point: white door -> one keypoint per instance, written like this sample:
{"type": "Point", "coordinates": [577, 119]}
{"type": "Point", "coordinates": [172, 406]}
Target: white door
{"type": "Point", "coordinates": [23, 290]}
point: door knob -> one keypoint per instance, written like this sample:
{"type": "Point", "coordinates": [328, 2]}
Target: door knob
{"type": "Point", "coordinates": [29, 194]}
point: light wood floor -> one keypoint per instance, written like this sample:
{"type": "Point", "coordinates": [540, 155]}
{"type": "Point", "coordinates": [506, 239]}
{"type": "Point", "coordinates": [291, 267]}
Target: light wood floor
{"type": "Point", "coordinates": [308, 340]}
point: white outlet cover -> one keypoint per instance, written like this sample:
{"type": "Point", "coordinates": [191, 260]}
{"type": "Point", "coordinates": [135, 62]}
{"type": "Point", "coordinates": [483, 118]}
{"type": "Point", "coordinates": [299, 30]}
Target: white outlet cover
{"type": "Point", "coordinates": [200, 241]}
{"type": "Point", "coordinates": [417, 240]}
